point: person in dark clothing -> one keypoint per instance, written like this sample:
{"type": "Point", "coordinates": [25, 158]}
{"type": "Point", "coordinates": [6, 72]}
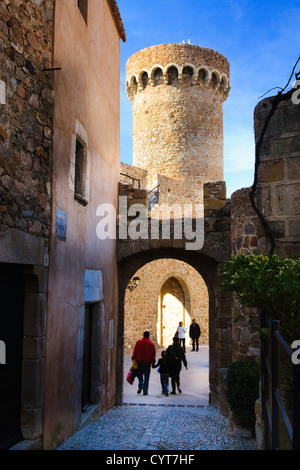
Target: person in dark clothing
{"type": "Point", "coordinates": [195, 334]}
{"type": "Point", "coordinates": [164, 373]}
{"type": "Point", "coordinates": [144, 353]}
{"type": "Point", "coordinates": [175, 355]}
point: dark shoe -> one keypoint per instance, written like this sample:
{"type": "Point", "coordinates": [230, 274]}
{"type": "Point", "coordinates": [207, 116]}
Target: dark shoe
{"type": "Point", "coordinates": [146, 393]}
{"type": "Point", "coordinates": [173, 393]}
{"type": "Point", "coordinates": [179, 390]}
{"type": "Point", "coordinates": [139, 390]}
{"type": "Point", "coordinates": [167, 394]}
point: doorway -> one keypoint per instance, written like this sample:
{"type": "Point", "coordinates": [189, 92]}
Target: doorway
{"type": "Point", "coordinates": [11, 333]}
{"type": "Point", "coordinates": [87, 358]}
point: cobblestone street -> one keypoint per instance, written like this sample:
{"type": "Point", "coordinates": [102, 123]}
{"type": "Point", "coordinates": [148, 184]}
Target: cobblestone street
{"type": "Point", "coordinates": [158, 427]}
{"type": "Point", "coordinates": [182, 422]}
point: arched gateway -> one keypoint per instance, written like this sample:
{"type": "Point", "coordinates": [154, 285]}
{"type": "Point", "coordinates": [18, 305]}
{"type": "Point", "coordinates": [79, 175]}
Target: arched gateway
{"type": "Point", "coordinates": [208, 262]}
{"type": "Point", "coordinates": [175, 188]}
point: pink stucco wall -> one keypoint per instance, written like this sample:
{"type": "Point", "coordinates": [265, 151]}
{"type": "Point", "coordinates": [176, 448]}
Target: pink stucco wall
{"type": "Point", "coordinates": [86, 90]}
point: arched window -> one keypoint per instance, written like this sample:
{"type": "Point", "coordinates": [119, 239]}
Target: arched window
{"type": "Point", "coordinates": [187, 75]}
{"type": "Point", "coordinates": [172, 75]}
{"type": "Point", "coordinates": [133, 84]}
{"type": "Point", "coordinates": [202, 76]}
{"type": "Point", "coordinates": [144, 80]}
{"type": "Point", "coordinates": [223, 84]}
{"type": "Point", "coordinates": [158, 77]}
{"type": "Point", "coordinates": [214, 80]}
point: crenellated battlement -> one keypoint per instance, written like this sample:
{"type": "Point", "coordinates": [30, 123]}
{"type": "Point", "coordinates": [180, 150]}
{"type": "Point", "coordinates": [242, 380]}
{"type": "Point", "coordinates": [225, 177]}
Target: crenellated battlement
{"type": "Point", "coordinates": [194, 66]}
{"type": "Point", "coordinates": [173, 74]}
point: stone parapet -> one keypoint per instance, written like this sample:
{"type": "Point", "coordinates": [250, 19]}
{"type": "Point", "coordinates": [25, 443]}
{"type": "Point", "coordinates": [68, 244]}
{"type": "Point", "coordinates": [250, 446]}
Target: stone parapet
{"type": "Point", "coordinates": [194, 64]}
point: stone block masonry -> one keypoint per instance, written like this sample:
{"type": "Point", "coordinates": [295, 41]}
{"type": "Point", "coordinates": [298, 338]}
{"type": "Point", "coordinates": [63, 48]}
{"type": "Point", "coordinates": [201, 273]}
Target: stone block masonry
{"type": "Point", "coordinates": [26, 115]}
{"type": "Point", "coordinates": [278, 191]}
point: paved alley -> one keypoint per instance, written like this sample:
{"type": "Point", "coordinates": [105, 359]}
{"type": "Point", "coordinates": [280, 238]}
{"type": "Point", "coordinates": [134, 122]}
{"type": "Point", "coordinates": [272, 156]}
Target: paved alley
{"type": "Point", "coordinates": [155, 422]}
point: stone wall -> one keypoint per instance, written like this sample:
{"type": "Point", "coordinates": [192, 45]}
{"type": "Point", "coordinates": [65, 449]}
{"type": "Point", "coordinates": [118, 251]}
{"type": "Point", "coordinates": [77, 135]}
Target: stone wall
{"type": "Point", "coordinates": [246, 238]}
{"type": "Point", "coordinates": [278, 192]}
{"type": "Point", "coordinates": [26, 49]}
{"type": "Point", "coordinates": [26, 110]}
{"type": "Point", "coordinates": [244, 224]}
{"type": "Point", "coordinates": [277, 198]}
{"type": "Point", "coordinates": [133, 175]}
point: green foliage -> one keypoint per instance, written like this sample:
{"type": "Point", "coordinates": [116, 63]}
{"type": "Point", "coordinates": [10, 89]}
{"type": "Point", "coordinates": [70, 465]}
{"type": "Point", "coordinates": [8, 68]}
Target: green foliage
{"type": "Point", "coordinates": [269, 283]}
{"type": "Point", "coordinates": [242, 391]}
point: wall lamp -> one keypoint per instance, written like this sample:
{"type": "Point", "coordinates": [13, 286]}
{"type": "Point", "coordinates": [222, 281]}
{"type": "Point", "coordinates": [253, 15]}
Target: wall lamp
{"type": "Point", "coordinates": [135, 282]}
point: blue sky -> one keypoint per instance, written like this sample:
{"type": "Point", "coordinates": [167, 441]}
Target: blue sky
{"type": "Point", "coordinates": [260, 39]}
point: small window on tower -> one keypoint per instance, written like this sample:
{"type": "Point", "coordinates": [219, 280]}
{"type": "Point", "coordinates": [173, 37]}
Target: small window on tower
{"type": "Point", "coordinates": [83, 7]}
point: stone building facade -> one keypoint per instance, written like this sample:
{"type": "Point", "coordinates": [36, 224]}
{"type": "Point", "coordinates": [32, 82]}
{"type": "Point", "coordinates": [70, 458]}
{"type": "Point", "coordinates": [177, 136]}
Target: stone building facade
{"type": "Point", "coordinates": [59, 159]}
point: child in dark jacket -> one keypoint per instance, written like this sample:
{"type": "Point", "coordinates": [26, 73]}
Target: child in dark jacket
{"type": "Point", "coordinates": [163, 372]}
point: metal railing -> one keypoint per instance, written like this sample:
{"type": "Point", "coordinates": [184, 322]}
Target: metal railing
{"type": "Point", "coordinates": [134, 181]}
{"type": "Point", "coordinates": [273, 407]}
{"type": "Point", "coordinates": [153, 197]}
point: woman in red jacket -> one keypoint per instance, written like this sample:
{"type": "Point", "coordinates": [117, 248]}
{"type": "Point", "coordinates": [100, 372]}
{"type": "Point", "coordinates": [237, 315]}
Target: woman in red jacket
{"type": "Point", "coordinates": [144, 353]}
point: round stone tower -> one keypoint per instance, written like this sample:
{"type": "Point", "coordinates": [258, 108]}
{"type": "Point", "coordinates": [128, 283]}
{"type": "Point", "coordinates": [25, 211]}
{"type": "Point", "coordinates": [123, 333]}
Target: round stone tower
{"type": "Point", "coordinates": [177, 91]}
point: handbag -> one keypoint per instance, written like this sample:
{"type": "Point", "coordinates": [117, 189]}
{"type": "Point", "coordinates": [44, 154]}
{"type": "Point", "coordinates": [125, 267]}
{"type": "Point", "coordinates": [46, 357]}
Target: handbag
{"type": "Point", "coordinates": [132, 374]}
{"type": "Point", "coordinates": [128, 378]}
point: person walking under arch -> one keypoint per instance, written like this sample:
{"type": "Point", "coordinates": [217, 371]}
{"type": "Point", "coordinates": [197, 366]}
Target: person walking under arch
{"type": "Point", "coordinates": [195, 334]}
{"type": "Point", "coordinates": [162, 364]}
{"type": "Point", "coordinates": [144, 353]}
{"type": "Point", "coordinates": [181, 330]}
{"type": "Point", "coordinates": [175, 356]}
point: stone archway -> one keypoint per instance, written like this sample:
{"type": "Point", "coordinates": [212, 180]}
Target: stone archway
{"type": "Point", "coordinates": [219, 309]}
